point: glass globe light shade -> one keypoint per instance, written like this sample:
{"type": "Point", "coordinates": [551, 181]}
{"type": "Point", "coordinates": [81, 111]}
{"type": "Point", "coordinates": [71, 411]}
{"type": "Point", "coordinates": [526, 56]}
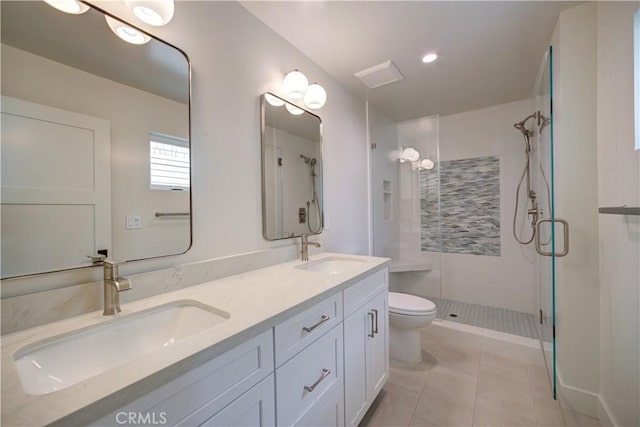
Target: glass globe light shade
{"type": "Point", "coordinates": [315, 97]}
{"type": "Point", "coordinates": [273, 100]}
{"type": "Point", "coordinates": [125, 32]}
{"type": "Point", "coordinates": [68, 6]}
{"type": "Point", "coordinates": [152, 12]}
{"type": "Point", "coordinates": [426, 164]}
{"type": "Point", "coordinates": [409, 155]}
{"type": "Point", "coordinates": [294, 110]}
{"type": "Point", "coordinates": [295, 84]}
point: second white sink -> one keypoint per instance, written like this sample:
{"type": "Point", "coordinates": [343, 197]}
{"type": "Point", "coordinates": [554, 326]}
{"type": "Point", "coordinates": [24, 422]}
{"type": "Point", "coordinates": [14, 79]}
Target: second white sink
{"type": "Point", "coordinates": [62, 361]}
{"type": "Point", "coordinates": [332, 265]}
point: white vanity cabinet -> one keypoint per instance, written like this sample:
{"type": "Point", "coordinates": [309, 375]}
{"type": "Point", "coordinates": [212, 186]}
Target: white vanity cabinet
{"type": "Point", "coordinates": [366, 350]}
{"type": "Point", "coordinates": [309, 361]}
{"type": "Point", "coordinates": [308, 370]}
{"type": "Point", "coordinates": [229, 384]}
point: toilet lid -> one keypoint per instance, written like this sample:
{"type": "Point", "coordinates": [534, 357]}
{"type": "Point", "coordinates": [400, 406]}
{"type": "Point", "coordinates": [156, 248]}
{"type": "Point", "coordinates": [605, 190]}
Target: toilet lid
{"type": "Point", "coordinates": [410, 304]}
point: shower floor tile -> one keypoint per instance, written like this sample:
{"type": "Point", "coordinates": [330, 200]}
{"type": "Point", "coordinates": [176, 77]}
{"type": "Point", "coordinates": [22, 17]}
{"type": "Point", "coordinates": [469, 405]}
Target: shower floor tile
{"type": "Point", "coordinates": [497, 319]}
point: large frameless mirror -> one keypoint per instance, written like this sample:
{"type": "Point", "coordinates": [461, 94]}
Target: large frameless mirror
{"type": "Point", "coordinates": [95, 142]}
{"type": "Point", "coordinates": [291, 170]}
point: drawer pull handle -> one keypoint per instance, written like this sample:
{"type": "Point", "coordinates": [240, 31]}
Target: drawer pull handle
{"type": "Point", "coordinates": [373, 328]}
{"type": "Point", "coordinates": [325, 374]}
{"type": "Point", "coordinates": [324, 318]}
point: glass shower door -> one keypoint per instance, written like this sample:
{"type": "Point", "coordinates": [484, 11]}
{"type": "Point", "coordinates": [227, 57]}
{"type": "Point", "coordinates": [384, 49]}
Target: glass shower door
{"type": "Point", "coordinates": [549, 244]}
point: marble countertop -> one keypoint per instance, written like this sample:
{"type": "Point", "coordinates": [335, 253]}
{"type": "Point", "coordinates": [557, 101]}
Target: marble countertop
{"type": "Point", "coordinates": [256, 300]}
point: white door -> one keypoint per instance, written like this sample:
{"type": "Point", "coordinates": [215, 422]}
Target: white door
{"type": "Point", "coordinates": [56, 188]}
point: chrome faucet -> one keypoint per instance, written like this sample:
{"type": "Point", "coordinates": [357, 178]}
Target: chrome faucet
{"type": "Point", "coordinates": [304, 252]}
{"type": "Point", "coordinates": [113, 285]}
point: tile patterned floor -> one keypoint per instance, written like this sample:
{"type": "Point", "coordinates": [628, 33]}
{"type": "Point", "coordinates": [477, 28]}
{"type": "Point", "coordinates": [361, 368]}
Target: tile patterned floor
{"type": "Point", "coordinates": [458, 385]}
{"type": "Point", "coordinates": [497, 319]}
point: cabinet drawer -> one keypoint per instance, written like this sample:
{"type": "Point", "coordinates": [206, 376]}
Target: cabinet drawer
{"type": "Point", "coordinates": [363, 291]}
{"type": "Point", "coordinates": [205, 390]}
{"type": "Point", "coordinates": [296, 333]}
{"type": "Point", "coordinates": [305, 380]}
{"type": "Point", "coordinates": [256, 408]}
{"type": "Point", "coordinates": [330, 412]}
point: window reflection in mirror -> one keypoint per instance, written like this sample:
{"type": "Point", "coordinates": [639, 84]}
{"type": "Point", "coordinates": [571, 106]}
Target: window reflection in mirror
{"type": "Point", "coordinates": [291, 170]}
{"type": "Point", "coordinates": [78, 108]}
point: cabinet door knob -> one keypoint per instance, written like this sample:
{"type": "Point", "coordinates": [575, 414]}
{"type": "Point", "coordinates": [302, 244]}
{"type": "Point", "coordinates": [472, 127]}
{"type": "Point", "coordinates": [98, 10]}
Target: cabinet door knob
{"type": "Point", "coordinates": [325, 374]}
{"type": "Point", "coordinates": [373, 328]}
{"type": "Point", "coordinates": [323, 319]}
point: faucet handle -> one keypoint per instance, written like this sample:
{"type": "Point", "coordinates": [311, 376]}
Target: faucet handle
{"type": "Point", "coordinates": [97, 258]}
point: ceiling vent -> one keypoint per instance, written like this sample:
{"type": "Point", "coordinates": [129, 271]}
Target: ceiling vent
{"type": "Point", "coordinates": [380, 75]}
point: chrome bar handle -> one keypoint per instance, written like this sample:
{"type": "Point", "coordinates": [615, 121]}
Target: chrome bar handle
{"type": "Point", "coordinates": [539, 249]}
{"type": "Point", "coordinates": [307, 329]}
{"type": "Point", "coordinates": [325, 374]}
{"type": "Point", "coordinates": [375, 329]}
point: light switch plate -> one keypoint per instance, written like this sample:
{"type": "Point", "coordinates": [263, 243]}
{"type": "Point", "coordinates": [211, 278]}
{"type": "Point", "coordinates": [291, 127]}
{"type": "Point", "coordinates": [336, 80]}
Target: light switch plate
{"type": "Point", "coordinates": [134, 222]}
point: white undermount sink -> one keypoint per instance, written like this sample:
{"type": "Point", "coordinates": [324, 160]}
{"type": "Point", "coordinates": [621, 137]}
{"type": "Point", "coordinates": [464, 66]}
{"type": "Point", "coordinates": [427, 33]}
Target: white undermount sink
{"type": "Point", "coordinates": [59, 362]}
{"type": "Point", "coordinates": [332, 265]}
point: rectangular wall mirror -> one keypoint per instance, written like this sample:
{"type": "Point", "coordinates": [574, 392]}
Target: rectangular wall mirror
{"type": "Point", "coordinates": [95, 142]}
{"type": "Point", "coordinates": [291, 170]}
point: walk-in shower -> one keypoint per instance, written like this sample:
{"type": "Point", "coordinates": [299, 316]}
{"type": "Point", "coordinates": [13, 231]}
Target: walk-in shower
{"type": "Point", "coordinates": [311, 161]}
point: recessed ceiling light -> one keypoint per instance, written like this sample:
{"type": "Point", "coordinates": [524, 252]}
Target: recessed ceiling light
{"type": "Point", "coordinates": [430, 57]}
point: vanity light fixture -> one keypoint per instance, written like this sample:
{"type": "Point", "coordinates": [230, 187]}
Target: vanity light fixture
{"type": "Point", "coordinates": [294, 110]}
{"type": "Point", "coordinates": [295, 84]}
{"type": "Point", "coordinates": [152, 12]}
{"type": "Point", "coordinates": [273, 100]}
{"type": "Point", "coordinates": [68, 6]}
{"type": "Point", "coordinates": [125, 32]}
{"type": "Point", "coordinates": [315, 97]}
{"type": "Point", "coordinates": [430, 57]}
{"type": "Point", "coordinates": [409, 155]}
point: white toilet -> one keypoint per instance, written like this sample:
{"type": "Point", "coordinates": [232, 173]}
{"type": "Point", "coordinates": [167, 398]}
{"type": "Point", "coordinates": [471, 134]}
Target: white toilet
{"type": "Point", "coordinates": [407, 314]}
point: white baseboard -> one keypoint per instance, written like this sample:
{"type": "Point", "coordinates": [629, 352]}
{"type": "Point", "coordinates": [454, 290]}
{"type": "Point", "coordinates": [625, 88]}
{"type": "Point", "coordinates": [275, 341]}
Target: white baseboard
{"type": "Point", "coordinates": [604, 415]}
{"type": "Point", "coordinates": [577, 400]}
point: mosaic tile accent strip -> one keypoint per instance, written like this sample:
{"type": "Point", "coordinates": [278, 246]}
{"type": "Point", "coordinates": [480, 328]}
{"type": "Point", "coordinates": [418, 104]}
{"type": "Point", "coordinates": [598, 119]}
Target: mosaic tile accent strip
{"type": "Point", "coordinates": [497, 319]}
{"type": "Point", "coordinates": [467, 220]}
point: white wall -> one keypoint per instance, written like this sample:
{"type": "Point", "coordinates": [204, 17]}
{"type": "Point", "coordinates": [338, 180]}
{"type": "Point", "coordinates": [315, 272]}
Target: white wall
{"type": "Point", "coordinates": [619, 236]}
{"type": "Point", "coordinates": [575, 128]}
{"type": "Point", "coordinates": [77, 91]}
{"type": "Point", "coordinates": [235, 58]}
{"type": "Point", "coordinates": [505, 281]}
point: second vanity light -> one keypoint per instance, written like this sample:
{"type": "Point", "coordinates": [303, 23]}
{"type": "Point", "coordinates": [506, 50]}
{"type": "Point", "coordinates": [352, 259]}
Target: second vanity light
{"type": "Point", "coordinates": [296, 86]}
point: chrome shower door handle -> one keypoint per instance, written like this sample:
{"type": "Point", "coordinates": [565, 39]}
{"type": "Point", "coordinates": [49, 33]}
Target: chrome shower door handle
{"type": "Point", "coordinates": [565, 225]}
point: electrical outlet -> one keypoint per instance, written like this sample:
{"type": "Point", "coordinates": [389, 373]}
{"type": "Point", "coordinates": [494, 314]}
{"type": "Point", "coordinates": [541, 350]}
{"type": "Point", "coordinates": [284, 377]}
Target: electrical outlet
{"type": "Point", "coordinates": [134, 222]}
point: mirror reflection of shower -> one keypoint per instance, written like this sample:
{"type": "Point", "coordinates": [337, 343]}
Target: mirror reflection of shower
{"type": "Point", "coordinates": [534, 211]}
{"type": "Point", "coordinates": [314, 196]}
